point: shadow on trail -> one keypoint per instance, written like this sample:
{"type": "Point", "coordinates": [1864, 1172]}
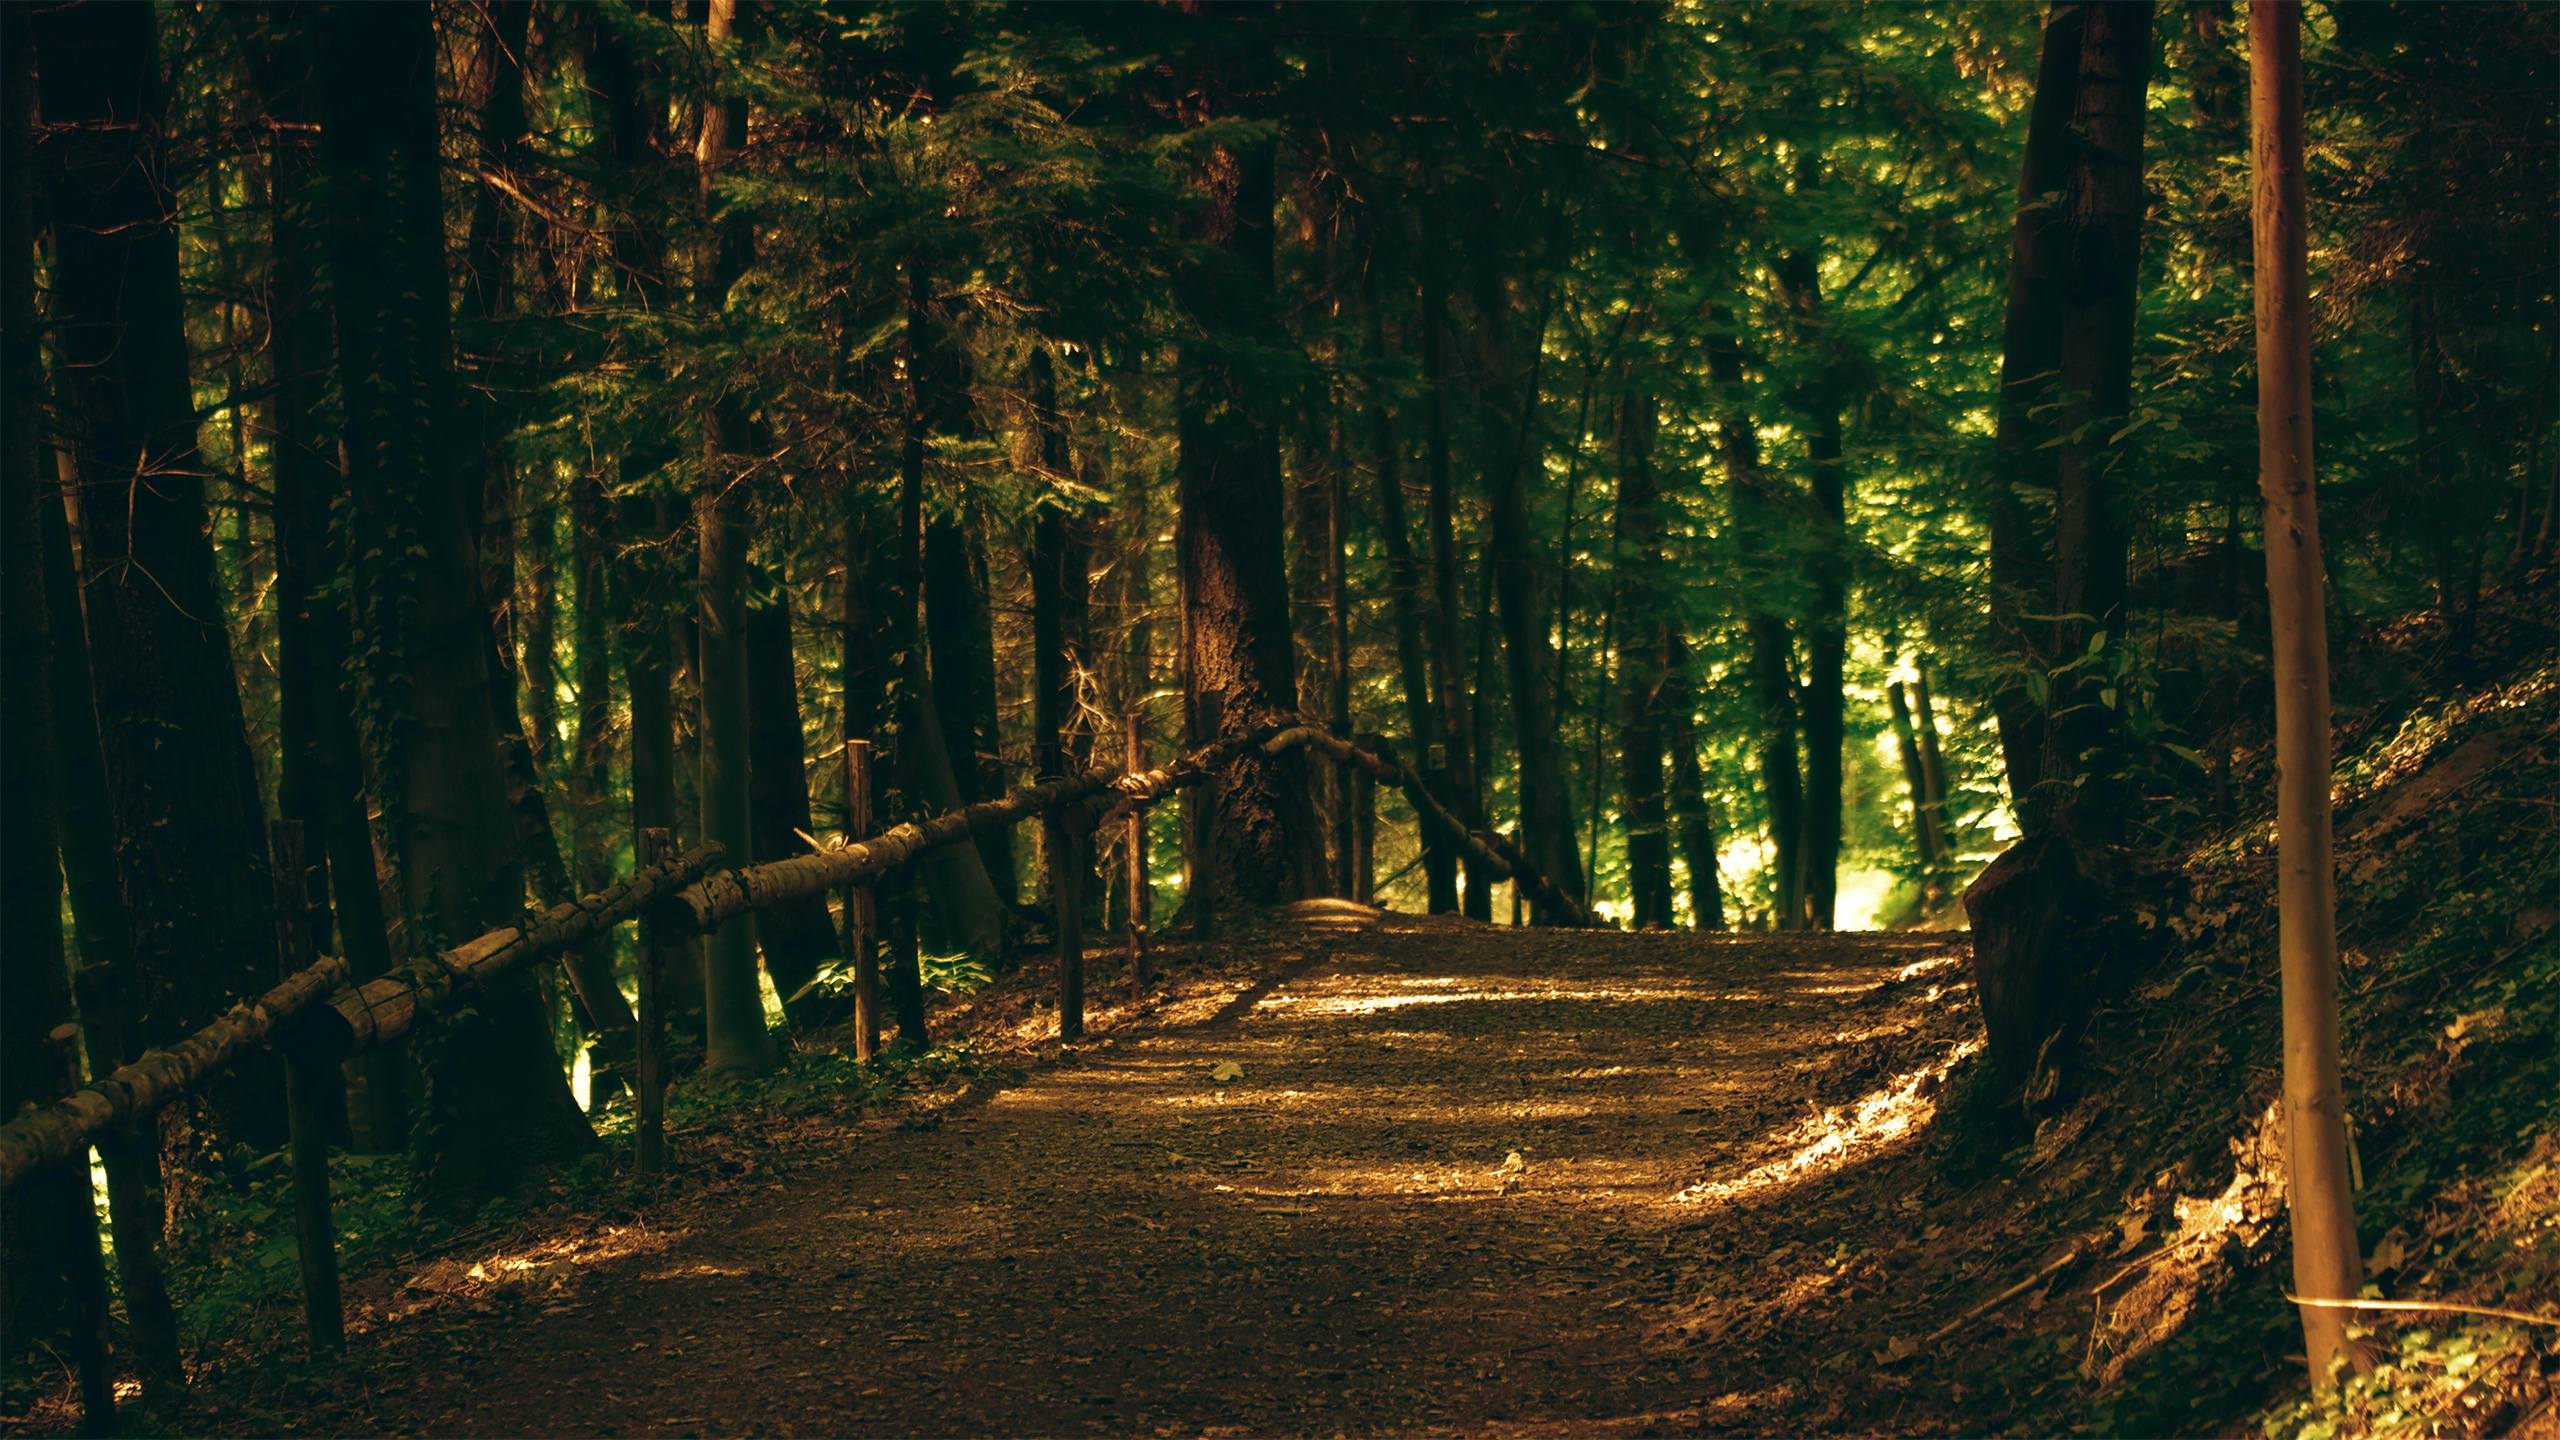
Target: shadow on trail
{"type": "Point", "coordinates": [1437, 1190]}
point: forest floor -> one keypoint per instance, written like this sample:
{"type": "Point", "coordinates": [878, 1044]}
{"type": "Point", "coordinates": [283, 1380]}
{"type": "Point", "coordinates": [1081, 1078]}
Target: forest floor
{"type": "Point", "coordinates": [1460, 1179]}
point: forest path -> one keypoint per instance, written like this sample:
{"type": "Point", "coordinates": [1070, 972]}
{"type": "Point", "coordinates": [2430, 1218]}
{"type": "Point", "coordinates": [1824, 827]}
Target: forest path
{"type": "Point", "coordinates": [1331, 1241]}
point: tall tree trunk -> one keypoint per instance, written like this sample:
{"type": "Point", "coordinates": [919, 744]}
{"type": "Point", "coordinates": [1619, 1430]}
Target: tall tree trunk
{"type": "Point", "coordinates": [735, 1040]}
{"type": "Point", "coordinates": [489, 297]}
{"type": "Point", "coordinates": [1691, 820]}
{"type": "Point", "coordinates": [1926, 841]}
{"type": "Point", "coordinates": [590, 782]}
{"type": "Point", "coordinates": [2102, 208]}
{"type": "Point", "coordinates": [1404, 573]}
{"type": "Point", "coordinates": [960, 639]}
{"type": "Point", "coordinates": [797, 937]}
{"type": "Point", "coordinates": [2327, 1262]}
{"type": "Point", "coordinates": [1756, 513]}
{"type": "Point", "coordinates": [1826, 630]}
{"type": "Point", "coordinates": [1545, 794]}
{"type": "Point", "coordinates": [1934, 771]}
{"type": "Point", "coordinates": [2030, 358]}
{"type": "Point", "coordinates": [1462, 792]}
{"type": "Point", "coordinates": [1643, 664]}
{"type": "Point", "coordinates": [1234, 588]}
{"type": "Point", "coordinates": [506, 1108]}
{"type": "Point", "coordinates": [182, 781]}
{"type": "Point", "coordinates": [35, 994]}
{"type": "Point", "coordinates": [964, 899]}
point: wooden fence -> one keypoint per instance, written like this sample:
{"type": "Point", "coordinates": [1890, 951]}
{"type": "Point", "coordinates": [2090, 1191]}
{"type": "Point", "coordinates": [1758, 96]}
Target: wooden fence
{"type": "Point", "coordinates": [317, 1020]}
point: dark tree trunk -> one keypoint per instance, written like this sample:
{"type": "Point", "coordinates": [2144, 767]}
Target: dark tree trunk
{"type": "Point", "coordinates": [1643, 665]}
{"type": "Point", "coordinates": [181, 779]}
{"type": "Point", "coordinates": [1692, 821]}
{"type": "Point", "coordinates": [1545, 795]}
{"type": "Point", "coordinates": [2102, 208]}
{"type": "Point", "coordinates": [1404, 575]}
{"type": "Point", "coordinates": [964, 899]}
{"type": "Point", "coordinates": [797, 938]}
{"type": "Point", "coordinates": [1235, 590]}
{"type": "Point", "coordinates": [1461, 791]}
{"type": "Point", "coordinates": [735, 1039]}
{"type": "Point", "coordinates": [960, 639]}
{"type": "Point", "coordinates": [1756, 521]}
{"type": "Point", "coordinates": [2031, 355]}
{"type": "Point", "coordinates": [1826, 630]}
{"type": "Point", "coordinates": [591, 787]}
{"type": "Point", "coordinates": [35, 994]}
{"type": "Point", "coordinates": [506, 1108]}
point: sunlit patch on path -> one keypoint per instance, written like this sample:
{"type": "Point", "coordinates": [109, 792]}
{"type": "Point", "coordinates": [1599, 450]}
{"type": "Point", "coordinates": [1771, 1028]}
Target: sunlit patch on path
{"type": "Point", "coordinates": [1394, 1176]}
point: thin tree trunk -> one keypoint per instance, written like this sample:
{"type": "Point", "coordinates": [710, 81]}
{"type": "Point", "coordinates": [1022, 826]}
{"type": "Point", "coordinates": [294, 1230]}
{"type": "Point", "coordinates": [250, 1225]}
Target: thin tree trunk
{"type": "Point", "coordinates": [1755, 512]}
{"type": "Point", "coordinates": [1642, 666]}
{"type": "Point", "coordinates": [1457, 721]}
{"type": "Point", "coordinates": [1691, 820]}
{"type": "Point", "coordinates": [960, 639]}
{"type": "Point", "coordinates": [1926, 842]}
{"type": "Point", "coordinates": [2327, 1263]}
{"type": "Point", "coordinates": [1826, 630]}
{"type": "Point", "coordinates": [1404, 573]}
{"type": "Point", "coordinates": [735, 1039]}
{"type": "Point", "coordinates": [591, 967]}
{"type": "Point", "coordinates": [1545, 792]}
{"type": "Point", "coordinates": [1934, 771]}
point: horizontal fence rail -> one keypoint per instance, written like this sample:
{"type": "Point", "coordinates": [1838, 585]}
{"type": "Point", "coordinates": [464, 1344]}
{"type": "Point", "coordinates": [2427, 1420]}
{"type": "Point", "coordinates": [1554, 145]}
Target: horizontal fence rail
{"type": "Point", "coordinates": [316, 1016]}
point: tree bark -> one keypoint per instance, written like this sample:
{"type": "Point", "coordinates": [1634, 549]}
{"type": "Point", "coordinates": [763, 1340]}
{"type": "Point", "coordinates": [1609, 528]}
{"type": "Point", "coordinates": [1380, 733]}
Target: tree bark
{"type": "Point", "coordinates": [1642, 665]}
{"type": "Point", "coordinates": [796, 938]}
{"type": "Point", "coordinates": [2030, 361]}
{"type": "Point", "coordinates": [35, 994]}
{"type": "Point", "coordinates": [1690, 816]}
{"type": "Point", "coordinates": [2102, 209]}
{"type": "Point", "coordinates": [181, 778]}
{"type": "Point", "coordinates": [2327, 1262]}
{"type": "Point", "coordinates": [1235, 589]}
{"type": "Point", "coordinates": [1756, 516]}
{"type": "Point", "coordinates": [507, 1110]}
{"type": "Point", "coordinates": [964, 899]}
{"type": "Point", "coordinates": [1545, 794]}
{"type": "Point", "coordinates": [1826, 630]}
{"type": "Point", "coordinates": [736, 1042]}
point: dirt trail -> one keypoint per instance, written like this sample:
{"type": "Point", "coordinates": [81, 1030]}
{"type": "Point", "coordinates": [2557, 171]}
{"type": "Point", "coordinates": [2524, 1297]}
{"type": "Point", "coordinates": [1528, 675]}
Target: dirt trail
{"type": "Point", "coordinates": [1337, 1239]}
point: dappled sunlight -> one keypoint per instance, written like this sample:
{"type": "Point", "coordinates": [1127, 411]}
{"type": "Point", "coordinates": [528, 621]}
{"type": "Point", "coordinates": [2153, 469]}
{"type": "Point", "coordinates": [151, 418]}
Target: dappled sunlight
{"type": "Point", "coordinates": [1829, 1137]}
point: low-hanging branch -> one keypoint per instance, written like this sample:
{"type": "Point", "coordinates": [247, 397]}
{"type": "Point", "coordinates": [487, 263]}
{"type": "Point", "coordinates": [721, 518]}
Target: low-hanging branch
{"type": "Point", "coordinates": [1492, 853]}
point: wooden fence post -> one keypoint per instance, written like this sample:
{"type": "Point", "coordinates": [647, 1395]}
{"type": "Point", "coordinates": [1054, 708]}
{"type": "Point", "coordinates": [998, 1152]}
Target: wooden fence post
{"type": "Point", "coordinates": [83, 1267]}
{"type": "Point", "coordinates": [1134, 848]}
{"type": "Point", "coordinates": [861, 908]}
{"type": "Point", "coordinates": [655, 846]}
{"type": "Point", "coordinates": [306, 1100]}
{"type": "Point", "coordinates": [1364, 820]}
{"type": "Point", "coordinates": [133, 1200]}
{"type": "Point", "coordinates": [1200, 814]}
